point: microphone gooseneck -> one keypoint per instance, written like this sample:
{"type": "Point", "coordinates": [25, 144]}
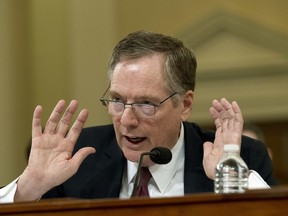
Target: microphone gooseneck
{"type": "Point", "coordinates": [159, 155]}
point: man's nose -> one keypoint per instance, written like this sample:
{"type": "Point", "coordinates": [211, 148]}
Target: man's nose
{"type": "Point", "coordinates": [129, 117]}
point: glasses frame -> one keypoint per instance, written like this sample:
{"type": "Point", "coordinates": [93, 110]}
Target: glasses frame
{"type": "Point", "coordinates": [105, 102]}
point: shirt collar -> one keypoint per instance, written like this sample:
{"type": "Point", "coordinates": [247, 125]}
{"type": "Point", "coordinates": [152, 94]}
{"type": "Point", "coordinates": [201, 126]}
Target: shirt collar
{"type": "Point", "coordinates": [162, 174]}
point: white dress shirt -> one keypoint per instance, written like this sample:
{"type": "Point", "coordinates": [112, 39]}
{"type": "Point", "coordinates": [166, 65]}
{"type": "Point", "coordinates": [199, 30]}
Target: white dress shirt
{"type": "Point", "coordinates": [167, 179]}
{"type": "Point", "coordinates": [7, 193]}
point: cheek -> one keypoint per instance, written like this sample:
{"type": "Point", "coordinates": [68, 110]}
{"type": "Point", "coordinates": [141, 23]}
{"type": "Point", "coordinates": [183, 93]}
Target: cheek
{"type": "Point", "coordinates": [166, 133]}
{"type": "Point", "coordinates": [116, 124]}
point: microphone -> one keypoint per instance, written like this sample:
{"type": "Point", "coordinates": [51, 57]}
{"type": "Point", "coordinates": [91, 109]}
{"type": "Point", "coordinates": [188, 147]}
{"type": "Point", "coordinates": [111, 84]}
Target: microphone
{"type": "Point", "coordinates": [159, 155]}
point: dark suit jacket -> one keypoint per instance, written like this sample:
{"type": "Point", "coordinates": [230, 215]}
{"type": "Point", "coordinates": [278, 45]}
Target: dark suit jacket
{"type": "Point", "coordinates": [100, 175]}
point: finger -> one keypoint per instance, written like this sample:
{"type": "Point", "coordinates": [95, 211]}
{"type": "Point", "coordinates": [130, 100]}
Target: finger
{"type": "Point", "coordinates": [222, 113]}
{"type": "Point", "coordinates": [225, 104]}
{"type": "Point", "coordinates": [219, 109]}
{"type": "Point", "coordinates": [65, 121]}
{"type": "Point", "coordinates": [222, 107]}
{"type": "Point", "coordinates": [80, 155]}
{"type": "Point", "coordinates": [215, 116]}
{"type": "Point", "coordinates": [52, 122]}
{"type": "Point", "coordinates": [239, 121]}
{"type": "Point", "coordinates": [217, 105]}
{"type": "Point", "coordinates": [76, 128]}
{"type": "Point", "coordinates": [233, 114]}
{"type": "Point", "coordinates": [227, 111]}
{"type": "Point", "coordinates": [237, 111]}
{"type": "Point", "coordinates": [217, 112]}
{"type": "Point", "coordinates": [36, 121]}
{"type": "Point", "coordinates": [227, 115]}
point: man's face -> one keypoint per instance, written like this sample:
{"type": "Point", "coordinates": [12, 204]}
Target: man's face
{"type": "Point", "coordinates": [142, 80]}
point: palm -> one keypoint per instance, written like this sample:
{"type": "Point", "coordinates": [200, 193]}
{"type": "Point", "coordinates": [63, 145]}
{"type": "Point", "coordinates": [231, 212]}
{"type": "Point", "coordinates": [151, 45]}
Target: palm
{"type": "Point", "coordinates": [55, 157]}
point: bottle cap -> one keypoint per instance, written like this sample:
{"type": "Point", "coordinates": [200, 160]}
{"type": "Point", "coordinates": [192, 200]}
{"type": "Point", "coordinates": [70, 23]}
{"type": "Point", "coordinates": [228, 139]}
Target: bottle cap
{"type": "Point", "coordinates": [231, 148]}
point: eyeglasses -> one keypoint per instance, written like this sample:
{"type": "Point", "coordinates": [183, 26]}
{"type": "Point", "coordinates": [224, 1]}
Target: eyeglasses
{"type": "Point", "coordinates": [143, 110]}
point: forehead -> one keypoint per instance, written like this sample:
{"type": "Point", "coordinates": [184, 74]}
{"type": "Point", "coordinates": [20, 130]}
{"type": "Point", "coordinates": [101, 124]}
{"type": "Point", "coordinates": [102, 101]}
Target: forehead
{"type": "Point", "coordinates": [145, 75]}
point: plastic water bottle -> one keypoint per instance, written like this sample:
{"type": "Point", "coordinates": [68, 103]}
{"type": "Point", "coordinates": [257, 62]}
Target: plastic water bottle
{"type": "Point", "coordinates": [231, 172]}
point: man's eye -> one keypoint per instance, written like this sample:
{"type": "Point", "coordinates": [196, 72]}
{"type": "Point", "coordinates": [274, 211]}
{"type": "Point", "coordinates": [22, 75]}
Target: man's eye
{"type": "Point", "coordinates": [148, 103]}
{"type": "Point", "coordinates": [117, 99]}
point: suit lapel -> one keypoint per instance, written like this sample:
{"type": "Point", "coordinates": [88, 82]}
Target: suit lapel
{"type": "Point", "coordinates": [109, 169]}
{"type": "Point", "coordinates": [195, 179]}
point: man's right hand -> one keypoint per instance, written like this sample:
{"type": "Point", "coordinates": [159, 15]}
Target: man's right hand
{"type": "Point", "coordinates": [229, 122]}
{"type": "Point", "coordinates": [51, 161]}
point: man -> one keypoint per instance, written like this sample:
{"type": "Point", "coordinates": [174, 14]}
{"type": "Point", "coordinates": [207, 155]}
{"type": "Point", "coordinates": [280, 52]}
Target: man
{"type": "Point", "coordinates": [151, 89]}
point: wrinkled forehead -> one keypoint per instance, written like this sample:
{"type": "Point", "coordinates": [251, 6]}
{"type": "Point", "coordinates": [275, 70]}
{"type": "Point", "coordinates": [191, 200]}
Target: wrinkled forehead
{"type": "Point", "coordinates": [126, 58]}
{"type": "Point", "coordinates": [146, 73]}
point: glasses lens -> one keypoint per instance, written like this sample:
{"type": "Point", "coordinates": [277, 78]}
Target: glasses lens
{"type": "Point", "coordinates": [144, 110]}
{"type": "Point", "coordinates": [115, 108]}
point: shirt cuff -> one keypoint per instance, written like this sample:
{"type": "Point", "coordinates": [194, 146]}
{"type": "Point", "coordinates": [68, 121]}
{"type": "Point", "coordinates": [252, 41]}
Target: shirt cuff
{"type": "Point", "coordinates": [7, 193]}
{"type": "Point", "coordinates": [255, 181]}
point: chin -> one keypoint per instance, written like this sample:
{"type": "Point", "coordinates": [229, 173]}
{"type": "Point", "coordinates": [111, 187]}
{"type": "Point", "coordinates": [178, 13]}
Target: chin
{"type": "Point", "coordinates": [132, 155]}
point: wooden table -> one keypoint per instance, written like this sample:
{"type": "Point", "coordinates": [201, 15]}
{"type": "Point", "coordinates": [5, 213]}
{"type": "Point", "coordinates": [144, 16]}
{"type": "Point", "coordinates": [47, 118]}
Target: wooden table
{"type": "Point", "coordinates": [257, 202]}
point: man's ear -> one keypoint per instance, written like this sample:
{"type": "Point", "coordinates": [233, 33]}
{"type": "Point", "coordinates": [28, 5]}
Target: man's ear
{"type": "Point", "coordinates": [187, 103]}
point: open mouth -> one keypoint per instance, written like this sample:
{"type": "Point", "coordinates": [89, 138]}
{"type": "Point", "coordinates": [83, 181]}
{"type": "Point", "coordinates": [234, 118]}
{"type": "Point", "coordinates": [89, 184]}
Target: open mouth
{"type": "Point", "coordinates": [135, 140]}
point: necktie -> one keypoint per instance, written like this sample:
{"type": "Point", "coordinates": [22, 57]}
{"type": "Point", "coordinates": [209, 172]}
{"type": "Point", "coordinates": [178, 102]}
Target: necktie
{"type": "Point", "coordinates": [145, 176]}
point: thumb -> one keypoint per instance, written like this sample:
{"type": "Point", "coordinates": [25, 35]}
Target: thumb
{"type": "Point", "coordinates": [207, 147]}
{"type": "Point", "coordinates": [209, 159]}
{"type": "Point", "coordinates": [80, 155]}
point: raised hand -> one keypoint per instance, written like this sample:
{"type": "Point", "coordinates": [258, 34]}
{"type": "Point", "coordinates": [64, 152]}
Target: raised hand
{"type": "Point", "coordinates": [229, 125]}
{"type": "Point", "coordinates": [51, 161]}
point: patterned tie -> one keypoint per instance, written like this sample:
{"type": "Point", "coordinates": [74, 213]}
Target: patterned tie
{"type": "Point", "coordinates": [142, 189]}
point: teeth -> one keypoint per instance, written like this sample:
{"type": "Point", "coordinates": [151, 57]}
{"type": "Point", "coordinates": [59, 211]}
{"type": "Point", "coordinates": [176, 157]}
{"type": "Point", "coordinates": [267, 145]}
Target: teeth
{"type": "Point", "coordinates": [135, 139]}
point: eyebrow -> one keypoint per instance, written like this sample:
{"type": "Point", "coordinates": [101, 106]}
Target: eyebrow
{"type": "Point", "coordinates": [142, 97]}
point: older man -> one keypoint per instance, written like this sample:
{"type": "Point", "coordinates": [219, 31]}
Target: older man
{"type": "Point", "coordinates": [150, 98]}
